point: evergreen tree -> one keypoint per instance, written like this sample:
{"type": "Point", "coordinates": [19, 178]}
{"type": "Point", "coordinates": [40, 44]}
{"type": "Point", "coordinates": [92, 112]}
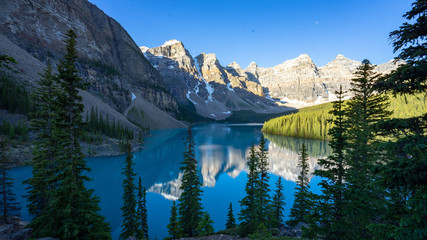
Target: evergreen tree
{"type": "Point", "coordinates": [130, 218]}
{"type": "Point", "coordinates": [205, 227]}
{"type": "Point", "coordinates": [42, 182]}
{"type": "Point", "coordinates": [248, 205]}
{"type": "Point", "coordinates": [278, 205]}
{"type": "Point", "coordinates": [326, 221]}
{"type": "Point", "coordinates": [231, 221]}
{"type": "Point", "coordinates": [302, 195]}
{"type": "Point", "coordinates": [73, 209]}
{"type": "Point", "coordinates": [364, 111]}
{"type": "Point", "coordinates": [190, 206]}
{"type": "Point", "coordinates": [173, 226]}
{"type": "Point", "coordinates": [403, 176]}
{"type": "Point", "coordinates": [262, 186]}
{"type": "Point", "coordinates": [409, 78]}
{"type": "Point", "coordinates": [142, 212]}
{"type": "Point", "coordinates": [8, 204]}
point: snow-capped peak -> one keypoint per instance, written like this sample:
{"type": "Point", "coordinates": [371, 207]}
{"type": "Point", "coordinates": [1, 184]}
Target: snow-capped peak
{"type": "Point", "coordinates": [144, 48]}
{"type": "Point", "coordinates": [171, 42]}
{"type": "Point", "coordinates": [304, 57]}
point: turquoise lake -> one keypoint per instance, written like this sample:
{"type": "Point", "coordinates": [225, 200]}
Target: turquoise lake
{"type": "Point", "coordinates": [221, 151]}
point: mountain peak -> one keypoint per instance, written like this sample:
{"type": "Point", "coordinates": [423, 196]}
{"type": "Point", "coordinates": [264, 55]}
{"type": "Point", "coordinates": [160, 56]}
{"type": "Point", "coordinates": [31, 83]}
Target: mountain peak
{"type": "Point", "coordinates": [304, 57]}
{"type": "Point", "coordinates": [233, 65]}
{"type": "Point", "coordinates": [171, 42]}
{"type": "Point", "coordinates": [252, 65]}
{"type": "Point", "coordinates": [340, 57]}
{"type": "Point", "coordinates": [144, 48]}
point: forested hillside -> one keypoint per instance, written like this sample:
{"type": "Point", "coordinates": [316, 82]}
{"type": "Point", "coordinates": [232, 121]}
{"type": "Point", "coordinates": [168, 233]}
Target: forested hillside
{"type": "Point", "coordinates": [312, 122]}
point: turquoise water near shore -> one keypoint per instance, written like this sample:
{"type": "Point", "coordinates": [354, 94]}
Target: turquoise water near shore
{"type": "Point", "coordinates": [221, 151]}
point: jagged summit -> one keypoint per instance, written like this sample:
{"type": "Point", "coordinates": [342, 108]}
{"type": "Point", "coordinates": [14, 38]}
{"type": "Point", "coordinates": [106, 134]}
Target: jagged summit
{"type": "Point", "coordinates": [217, 91]}
{"type": "Point", "coordinates": [171, 42]}
{"type": "Point", "coordinates": [304, 57]}
{"type": "Point", "coordinates": [252, 65]}
{"type": "Point", "coordinates": [144, 49]}
{"type": "Point", "coordinates": [234, 65]}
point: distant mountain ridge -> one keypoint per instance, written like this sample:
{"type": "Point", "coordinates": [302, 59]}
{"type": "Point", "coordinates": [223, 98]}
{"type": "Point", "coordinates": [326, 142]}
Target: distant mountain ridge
{"type": "Point", "coordinates": [296, 82]}
{"type": "Point", "coordinates": [202, 83]}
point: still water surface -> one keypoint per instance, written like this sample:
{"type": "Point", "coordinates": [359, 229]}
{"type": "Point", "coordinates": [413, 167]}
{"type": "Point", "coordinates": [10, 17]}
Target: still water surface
{"type": "Point", "coordinates": [221, 151]}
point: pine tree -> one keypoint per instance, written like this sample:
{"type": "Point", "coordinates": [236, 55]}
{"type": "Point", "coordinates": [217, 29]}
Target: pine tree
{"type": "Point", "coordinates": [130, 218]}
{"type": "Point", "coordinates": [8, 205]}
{"type": "Point", "coordinates": [248, 205]}
{"type": "Point", "coordinates": [409, 78]}
{"type": "Point", "coordinates": [278, 205]}
{"type": "Point", "coordinates": [326, 221]}
{"type": "Point", "coordinates": [205, 227]}
{"type": "Point", "coordinates": [190, 206]}
{"type": "Point", "coordinates": [302, 195]}
{"type": "Point", "coordinates": [141, 212]}
{"type": "Point", "coordinates": [231, 221]}
{"type": "Point", "coordinates": [173, 226]}
{"type": "Point", "coordinates": [262, 186]}
{"type": "Point", "coordinates": [73, 209]}
{"type": "Point", "coordinates": [406, 166]}
{"type": "Point", "coordinates": [42, 181]}
{"type": "Point", "coordinates": [364, 111]}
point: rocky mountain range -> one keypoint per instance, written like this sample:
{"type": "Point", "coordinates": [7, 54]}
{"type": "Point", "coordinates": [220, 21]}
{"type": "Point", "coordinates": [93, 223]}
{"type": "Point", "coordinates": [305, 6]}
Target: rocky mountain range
{"type": "Point", "coordinates": [205, 83]}
{"type": "Point", "coordinates": [202, 84]}
{"type": "Point", "coordinates": [152, 87]}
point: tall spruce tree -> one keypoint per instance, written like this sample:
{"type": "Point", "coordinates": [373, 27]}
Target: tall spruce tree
{"type": "Point", "coordinates": [8, 205]}
{"type": "Point", "coordinates": [364, 111]}
{"type": "Point", "coordinates": [173, 226]}
{"type": "Point", "coordinates": [248, 214]}
{"type": "Point", "coordinates": [42, 182]}
{"type": "Point", "coordinates": [403, 176]}
{"type": "Point", "coordinates": [278, 205]}
{"type": "Point", "coordinates": [302, 195]}
{"type": "Point", "coordinates": [262, 186]}
{"type": "Point", "coordinates": [141, 212]}
{"type": "Point", "coordinates": [190, 206]}
{"type": "Point", "coordinates": [130, 218]}
{"type": "Point", "coordinates": [326, 221]}
{"type": "Point", "coordinates": [231, 221]}
{"type": "Point", "coordinates": [73, 209]}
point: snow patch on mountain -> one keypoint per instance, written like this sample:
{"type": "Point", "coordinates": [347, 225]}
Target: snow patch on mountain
{"type": "Point", "coordinates": [133, 96]}
{"type": "Point", "coordinates": [230, 88]}
{"type": "Point", "coordinates": [170, 42]}
{"type": "Point", "coordinates": [209, 88]}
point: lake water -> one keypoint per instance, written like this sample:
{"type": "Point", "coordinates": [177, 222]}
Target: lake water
{"type": "Point", "coordinates": [221, 151]}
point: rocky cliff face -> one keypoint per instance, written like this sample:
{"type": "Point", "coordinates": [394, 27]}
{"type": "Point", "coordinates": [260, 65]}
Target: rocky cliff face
{"type": "Point", "coordinates": [300, 81]}
{"type": "Point", "coordinates": [217, 91]}
{"type": "Point", "coordinates": [108, 57]}
{"type": "Point", "coordinates": [214, 91]}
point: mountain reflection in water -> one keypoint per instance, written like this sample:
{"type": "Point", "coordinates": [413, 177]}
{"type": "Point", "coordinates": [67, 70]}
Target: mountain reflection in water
{"type": "Point", "coordinates": [221, 151]}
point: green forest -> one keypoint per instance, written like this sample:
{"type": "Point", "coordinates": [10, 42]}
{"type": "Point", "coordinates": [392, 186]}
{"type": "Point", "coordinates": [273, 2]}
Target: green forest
{"type": "Point", "coordinates": [314, 122]}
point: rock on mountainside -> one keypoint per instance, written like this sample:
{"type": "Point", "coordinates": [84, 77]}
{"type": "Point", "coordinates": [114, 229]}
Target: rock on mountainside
{"type": "Point", "coordinates": [300, 81]}
{"type": "Point", "coordinates": [203, 84]}
{"type": "Point", "coordinates": [109, 59]}
{"type": "Point", "coordinates": [217, 91]}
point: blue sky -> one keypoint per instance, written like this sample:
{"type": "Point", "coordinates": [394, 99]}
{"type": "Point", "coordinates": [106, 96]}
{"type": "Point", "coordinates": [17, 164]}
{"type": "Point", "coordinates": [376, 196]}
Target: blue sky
{"type": "Point", "coordinates": [265, 31]}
